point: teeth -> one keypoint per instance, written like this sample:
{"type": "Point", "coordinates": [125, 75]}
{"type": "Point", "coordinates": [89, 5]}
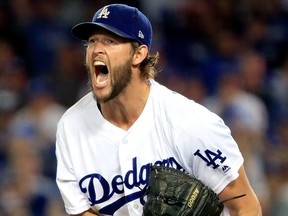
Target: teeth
{"type": "Point", "coordinates": [99, 63]}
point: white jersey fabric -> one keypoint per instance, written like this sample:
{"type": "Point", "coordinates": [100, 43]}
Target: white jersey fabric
{"type": "Point", "coordinates": [105, 167]}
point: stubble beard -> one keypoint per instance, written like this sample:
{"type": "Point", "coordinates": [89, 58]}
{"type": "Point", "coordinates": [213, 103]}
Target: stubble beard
{"type": "Point", "coordinates": [120, 78]}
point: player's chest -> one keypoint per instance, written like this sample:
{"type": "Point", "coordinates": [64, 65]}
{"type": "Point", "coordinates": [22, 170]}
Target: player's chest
{"type": "Point", "coordinates": [123, 148]}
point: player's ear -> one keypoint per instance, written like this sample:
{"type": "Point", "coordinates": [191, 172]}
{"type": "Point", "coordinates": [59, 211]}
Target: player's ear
{"type": "Point", "coordinates": [140, 54]}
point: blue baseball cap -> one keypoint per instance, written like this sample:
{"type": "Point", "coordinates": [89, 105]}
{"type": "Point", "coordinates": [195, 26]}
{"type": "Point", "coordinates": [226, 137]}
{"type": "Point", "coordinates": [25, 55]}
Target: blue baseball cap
{"type": "Point", "coordinates": [120, 19]}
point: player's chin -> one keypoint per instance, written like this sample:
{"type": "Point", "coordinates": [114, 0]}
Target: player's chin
{"type": "Point", "coordinates": [102, 95]}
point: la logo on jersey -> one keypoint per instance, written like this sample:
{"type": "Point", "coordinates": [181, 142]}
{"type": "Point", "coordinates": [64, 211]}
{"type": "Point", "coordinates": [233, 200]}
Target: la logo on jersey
{"type": "Point", "coordinates": [104, 13]}
{"type": "Point", "coordinates": [213, 159]}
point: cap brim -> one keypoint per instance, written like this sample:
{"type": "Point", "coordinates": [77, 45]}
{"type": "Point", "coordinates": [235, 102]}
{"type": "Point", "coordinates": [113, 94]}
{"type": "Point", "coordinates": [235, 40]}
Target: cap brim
{"type": "Point", "coordinates": [84, 30]}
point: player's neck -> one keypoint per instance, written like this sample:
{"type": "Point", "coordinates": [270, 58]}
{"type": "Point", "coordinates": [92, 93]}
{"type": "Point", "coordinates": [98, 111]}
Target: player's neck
{"type": "Point", "coordinates": [124, 110]}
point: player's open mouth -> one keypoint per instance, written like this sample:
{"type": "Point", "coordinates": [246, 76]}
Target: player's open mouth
{"type": "Point", "coordinates": [101, 72]}
{"type": "Point", "coordinates": [100, 67]}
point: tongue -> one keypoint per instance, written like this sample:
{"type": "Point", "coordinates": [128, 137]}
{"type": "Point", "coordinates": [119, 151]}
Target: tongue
{"type": "Point", "coordinates": [102, 79]}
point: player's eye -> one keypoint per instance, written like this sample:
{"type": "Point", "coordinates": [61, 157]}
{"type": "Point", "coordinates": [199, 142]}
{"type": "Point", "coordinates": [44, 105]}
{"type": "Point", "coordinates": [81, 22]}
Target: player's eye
{"type": "Point", "coordinates": [104, 41]}
{"type": "Point", "coordinates": [109, 41]}
{"type": "Point", "coordinates": [91, 42]}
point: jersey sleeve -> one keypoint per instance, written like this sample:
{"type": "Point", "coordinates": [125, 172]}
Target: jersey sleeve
{"type": "Point", "coordinates": [207, 149]}
{"type": "Point", "coordinates": [74, 200]}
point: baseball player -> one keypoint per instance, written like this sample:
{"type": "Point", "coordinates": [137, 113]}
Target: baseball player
{"type": "Point", "coordinates": [107, 141]}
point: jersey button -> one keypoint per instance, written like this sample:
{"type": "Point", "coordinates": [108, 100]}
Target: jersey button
{"type": "Point", "coordinates": [125, 140]}
{"type": "Point", "coordinates": [136, 206]}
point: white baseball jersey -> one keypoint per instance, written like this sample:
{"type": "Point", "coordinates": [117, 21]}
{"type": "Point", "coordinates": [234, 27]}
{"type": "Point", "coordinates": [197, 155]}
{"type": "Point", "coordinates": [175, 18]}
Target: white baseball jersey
{"type": "Point", "coordinates": [105, 167]}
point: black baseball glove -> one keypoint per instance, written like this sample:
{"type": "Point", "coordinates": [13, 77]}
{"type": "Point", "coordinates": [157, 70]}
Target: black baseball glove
{"type": "Point", "coordinates": [171, 192]}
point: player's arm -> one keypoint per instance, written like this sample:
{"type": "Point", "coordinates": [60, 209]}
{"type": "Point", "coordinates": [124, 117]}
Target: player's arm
{"type": "Point", "coordinates": [89, 212]}
{"type": "Point", "coordinates": [247, 205]}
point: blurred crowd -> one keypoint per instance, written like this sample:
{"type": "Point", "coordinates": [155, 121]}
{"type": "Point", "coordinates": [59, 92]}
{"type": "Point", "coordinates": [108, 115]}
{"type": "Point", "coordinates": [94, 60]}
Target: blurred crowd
{"type": "Point", "coordinates": [230, 56]}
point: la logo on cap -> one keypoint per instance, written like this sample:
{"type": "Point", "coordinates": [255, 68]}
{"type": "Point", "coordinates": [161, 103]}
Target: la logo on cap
{"type": "Point", "coordinates": [104, 13]}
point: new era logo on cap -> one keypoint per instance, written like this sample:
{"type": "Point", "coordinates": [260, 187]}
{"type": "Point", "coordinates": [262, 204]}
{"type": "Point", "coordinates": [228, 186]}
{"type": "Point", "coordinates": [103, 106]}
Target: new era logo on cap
{"type": "Point", "coordinates": [120, 19]}
{"type": "Point", "coordinates": [140, 35]}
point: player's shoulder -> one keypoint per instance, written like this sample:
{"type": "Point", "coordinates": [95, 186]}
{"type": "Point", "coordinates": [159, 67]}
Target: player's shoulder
{"type": "Point", "coordinates": [178, 108]}
{"type": "Point", "coordinates": [165, 95]}
{"type": "Point", "coordinates": [173, 101]}
{"type": "Point", "coordinates": [81, 107]}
